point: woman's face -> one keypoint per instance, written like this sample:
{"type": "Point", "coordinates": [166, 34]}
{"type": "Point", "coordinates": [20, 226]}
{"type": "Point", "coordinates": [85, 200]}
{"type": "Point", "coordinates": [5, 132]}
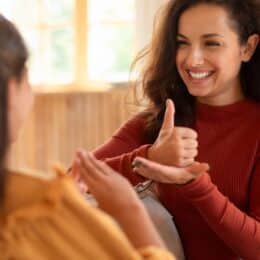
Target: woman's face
{"type": "Point", "coordinates": [20, 100]}
{"type": "Point", "coordinates": [209, 55]}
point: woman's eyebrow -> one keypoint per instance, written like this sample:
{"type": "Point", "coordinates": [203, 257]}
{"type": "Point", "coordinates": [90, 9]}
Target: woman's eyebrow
{"type": "Point", "coordinates": [182, 36]}
{"type": "Point", "coordinates": [207, 35]}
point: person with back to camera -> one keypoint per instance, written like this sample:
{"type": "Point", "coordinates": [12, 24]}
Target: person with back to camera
{"type": "Point", "coordinates": [44, 216]}
{"type": "Point", "coordinates": [202, 78]}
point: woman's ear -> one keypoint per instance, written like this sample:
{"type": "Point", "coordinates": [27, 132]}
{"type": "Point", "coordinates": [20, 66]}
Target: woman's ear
{"type": "Point", "coordinates": [250, 47]}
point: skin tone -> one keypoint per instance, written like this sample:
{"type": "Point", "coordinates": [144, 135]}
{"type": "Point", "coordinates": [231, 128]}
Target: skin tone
{"type": "Point", "coordinates": [210, 55]}
{"type": "Point", "coordinates": [20, 95]}
{"type": "Point", "coordinates": [104, 183]}
{"type": "Point", "coordinates": [169, 174]}
{"type": "Point", "coordinates": [116, 196]}
{"type": "Point", "coordinates": [209, 58]}
{"type": "Point", "coordinates": [113, 192]}
{"type": "Point", "coordinates": [180, 144]}
{"type": "Point", "coordinates": [185, 174]}
{"type": "Point", "coordinates": [166, 145]}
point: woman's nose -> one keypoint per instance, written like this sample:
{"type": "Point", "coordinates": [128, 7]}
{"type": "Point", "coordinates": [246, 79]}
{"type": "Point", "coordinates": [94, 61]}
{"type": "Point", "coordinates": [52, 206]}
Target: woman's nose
{"type": "Point", "coordinates": [195, 57]}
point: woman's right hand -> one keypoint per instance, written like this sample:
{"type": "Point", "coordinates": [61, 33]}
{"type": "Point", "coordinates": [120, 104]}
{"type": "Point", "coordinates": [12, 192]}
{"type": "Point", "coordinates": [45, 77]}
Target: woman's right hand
{"type": "Point", "coordinates": [174, 146]}
{"type": "Point", "coordinates": [74, 173]}
{"type": "Point", "coordinates": [114, 194]}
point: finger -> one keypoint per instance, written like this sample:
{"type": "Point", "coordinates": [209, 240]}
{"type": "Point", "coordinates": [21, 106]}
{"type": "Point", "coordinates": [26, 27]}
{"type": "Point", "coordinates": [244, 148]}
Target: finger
{"type": "Point", "coordinates": [186, 162]}
{"type": "Point", "coordinates": [88, 169]}
{"type": "Point", "coordinates": [186, 132]}
{"type": "Point", "coordinates": [102, 166]}
{"type": "Point", "coordinates": [190, 143]}
{"type": "Point", "coordinates": [75, 169]}
{"type": "Point", "coordinates": [156, 171]}
{"type": "Point", "coordinates": [189, 153]}
{"type": "Point", "coordinates": [107, 170]}
{"type": "Point", "coordinates": [168, 120]}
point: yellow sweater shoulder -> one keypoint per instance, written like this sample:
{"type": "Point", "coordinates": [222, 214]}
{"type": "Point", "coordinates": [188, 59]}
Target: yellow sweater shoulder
{"type": "Point", "coordinates": [47, 218]}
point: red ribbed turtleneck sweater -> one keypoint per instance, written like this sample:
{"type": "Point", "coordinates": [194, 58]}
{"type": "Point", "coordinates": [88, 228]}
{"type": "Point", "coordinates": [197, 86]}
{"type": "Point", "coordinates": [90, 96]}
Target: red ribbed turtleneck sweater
{"type": "Point", "coordinates": [217, 215]}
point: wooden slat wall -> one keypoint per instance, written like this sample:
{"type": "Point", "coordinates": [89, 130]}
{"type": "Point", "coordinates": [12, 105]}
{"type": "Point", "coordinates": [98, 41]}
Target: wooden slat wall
{"type": "Point", "coordinates": [62, 122]}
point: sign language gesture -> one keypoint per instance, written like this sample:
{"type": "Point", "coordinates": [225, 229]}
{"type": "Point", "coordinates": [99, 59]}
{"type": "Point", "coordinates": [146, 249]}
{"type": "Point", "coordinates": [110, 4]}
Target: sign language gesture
{"type": "Point", "coordinates": [116, 196]}
{"type": "Point", "coordinates": [175, 146]}
{"type": "Point", "coordinates": [168, 174]}
{"type": "Point", "coordinates": [112, 191]}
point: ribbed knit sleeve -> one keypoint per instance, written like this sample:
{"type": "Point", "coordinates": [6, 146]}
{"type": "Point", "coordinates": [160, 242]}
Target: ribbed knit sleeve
{"type": "Point", "coordinates": [121, 149]}
{"type": "Point", "coordinates": [127, 138]}
{"type": "Point", "coordinates": [122, 164]}
{"type": "Point", "coordinates": [223, 208]}
{"type": "Point", "coordinates": [240, 231]}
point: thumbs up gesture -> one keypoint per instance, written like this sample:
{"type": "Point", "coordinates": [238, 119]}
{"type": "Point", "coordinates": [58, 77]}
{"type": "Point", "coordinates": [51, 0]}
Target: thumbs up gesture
{"type": "Point", "coordinates": [174, 146]}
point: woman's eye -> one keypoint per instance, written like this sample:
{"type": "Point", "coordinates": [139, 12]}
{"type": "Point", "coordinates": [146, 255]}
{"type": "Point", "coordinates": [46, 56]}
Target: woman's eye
{"type": "Point", "coordinates": [213, 44]}
{"type": "Point", "coordinates": [181, 43]}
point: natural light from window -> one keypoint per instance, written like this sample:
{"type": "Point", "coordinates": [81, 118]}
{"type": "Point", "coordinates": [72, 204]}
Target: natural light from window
{"type": "Point", "coordinates": [50, 29]}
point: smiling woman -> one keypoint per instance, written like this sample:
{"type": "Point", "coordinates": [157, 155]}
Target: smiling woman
{"type": "Point", "coordinates": [209, 57]}
{"type": "Point", "coordinates": [209, 75]}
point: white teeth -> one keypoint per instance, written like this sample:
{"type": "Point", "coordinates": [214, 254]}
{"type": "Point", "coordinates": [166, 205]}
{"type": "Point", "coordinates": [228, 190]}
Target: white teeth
{"type": "Point", "coordinates": [199, 75]}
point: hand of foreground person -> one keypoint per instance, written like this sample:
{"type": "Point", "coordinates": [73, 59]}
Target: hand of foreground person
{"type": "Point", "coordinates": [116, 196]}
{"type": "Point", "coordinates": [175, 146]}
{"type": "Point", "coordinates": [168, 174]}
{"type": "Point", "coordinates": [74, 172]}
{"type": "Point", "coordinates": [112, 191]}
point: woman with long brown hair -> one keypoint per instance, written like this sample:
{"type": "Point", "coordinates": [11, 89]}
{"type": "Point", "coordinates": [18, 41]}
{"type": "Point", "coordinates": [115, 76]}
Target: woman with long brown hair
{"type": "Point", "coordinates": [204, 59]}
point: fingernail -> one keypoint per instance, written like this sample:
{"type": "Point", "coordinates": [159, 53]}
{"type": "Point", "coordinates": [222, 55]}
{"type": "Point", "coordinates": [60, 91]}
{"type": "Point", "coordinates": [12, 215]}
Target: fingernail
{"type": "Point", "coordinates": [90, 154]}
{"type": "Point", "coordinates": [82, 152]}
{"type": "Point", "coordinates": [136, 164]}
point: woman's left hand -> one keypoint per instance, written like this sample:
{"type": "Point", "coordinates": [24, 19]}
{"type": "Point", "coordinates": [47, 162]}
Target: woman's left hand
{"type": "Point", "coordinates": [168, 174]}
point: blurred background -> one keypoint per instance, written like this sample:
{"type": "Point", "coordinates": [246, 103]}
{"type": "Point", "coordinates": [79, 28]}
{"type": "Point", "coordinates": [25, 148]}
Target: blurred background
{"type": "Point", "coordinates": [80, 57]}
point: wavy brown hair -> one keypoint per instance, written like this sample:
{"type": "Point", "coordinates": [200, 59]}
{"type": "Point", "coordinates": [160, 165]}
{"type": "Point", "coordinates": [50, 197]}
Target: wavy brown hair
{"type": "Point", "coordinates": [13, 56]}
{"type": "Point", "coordinates": [160, 79]}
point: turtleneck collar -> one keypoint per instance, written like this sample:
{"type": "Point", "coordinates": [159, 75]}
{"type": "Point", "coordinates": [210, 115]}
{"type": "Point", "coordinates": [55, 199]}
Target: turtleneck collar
{"type": "Point", "coordinates": [223, 112]}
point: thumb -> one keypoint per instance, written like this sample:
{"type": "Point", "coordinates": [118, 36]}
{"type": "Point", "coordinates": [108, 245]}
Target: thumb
{"type": "Point", "coordinates": [168, 120]}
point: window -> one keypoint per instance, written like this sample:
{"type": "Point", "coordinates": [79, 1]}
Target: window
{"type": "Point", "coordinates": [111, 38]}
{"type": "Point", "coordinates": [73, 42]}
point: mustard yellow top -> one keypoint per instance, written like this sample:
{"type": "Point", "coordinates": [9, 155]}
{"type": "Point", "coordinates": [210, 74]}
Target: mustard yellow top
{"type": "Point", "coordinates": [45, 217]}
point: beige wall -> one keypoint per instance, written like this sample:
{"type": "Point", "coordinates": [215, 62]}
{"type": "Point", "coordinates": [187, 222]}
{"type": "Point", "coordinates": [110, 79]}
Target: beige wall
{"type": "Point", "coordinates": [62, 122]}
{"type": "Point", "coordinates": [145, 15]}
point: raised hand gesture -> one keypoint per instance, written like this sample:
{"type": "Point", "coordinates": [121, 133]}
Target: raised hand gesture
{"type": "Point", "coordinates": [176, 146]}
